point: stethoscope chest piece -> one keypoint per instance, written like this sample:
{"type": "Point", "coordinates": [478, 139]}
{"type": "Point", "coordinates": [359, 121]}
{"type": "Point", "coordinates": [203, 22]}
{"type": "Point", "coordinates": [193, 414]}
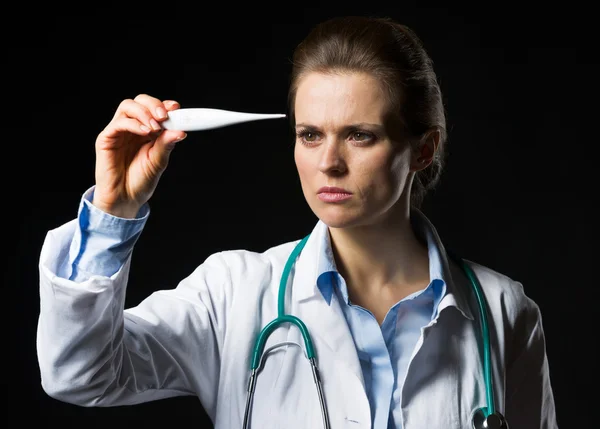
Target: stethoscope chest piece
{"type": "Point", "coordinates": [493, 421]}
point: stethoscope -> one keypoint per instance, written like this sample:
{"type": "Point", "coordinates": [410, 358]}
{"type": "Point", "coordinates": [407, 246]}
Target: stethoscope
{"type": "Point", "coordinates": [484, 418]}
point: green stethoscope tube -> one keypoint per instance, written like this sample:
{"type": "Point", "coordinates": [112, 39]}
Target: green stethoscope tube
{"type": "Point", "coordinates": [485, 335]}
{"type": "Point", "coordinates": [281, 316]}
{"type": "Point", "coordinates": [310, 353]}
{"type": "Point", "coordinates": [267, 330]}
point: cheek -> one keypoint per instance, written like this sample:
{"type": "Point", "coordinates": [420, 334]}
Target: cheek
{"type": "Point", "coordinates": [302, 163]}
{"type": "Point", "coordinates": [399, 169]}
{"type": "Point", "coordinates": [382, 176]}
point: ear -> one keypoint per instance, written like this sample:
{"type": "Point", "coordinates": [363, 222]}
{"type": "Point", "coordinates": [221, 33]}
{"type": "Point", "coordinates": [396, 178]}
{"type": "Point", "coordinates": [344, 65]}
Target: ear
{"type": "Point", "coordinates": [423, 154]}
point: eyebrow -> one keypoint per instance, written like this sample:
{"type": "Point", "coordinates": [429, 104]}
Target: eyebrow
{"type": "Point", "coordinates": [347, 127]}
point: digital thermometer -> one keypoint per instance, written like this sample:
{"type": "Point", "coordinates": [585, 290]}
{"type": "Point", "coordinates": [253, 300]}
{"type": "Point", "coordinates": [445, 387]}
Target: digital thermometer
{"type": "Point", "coordinates": [197, 119]}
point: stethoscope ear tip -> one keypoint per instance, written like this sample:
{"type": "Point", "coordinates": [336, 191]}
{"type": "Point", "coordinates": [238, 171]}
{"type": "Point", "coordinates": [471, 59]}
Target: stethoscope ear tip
{"type": "Point", "coordinates": [493, 421]}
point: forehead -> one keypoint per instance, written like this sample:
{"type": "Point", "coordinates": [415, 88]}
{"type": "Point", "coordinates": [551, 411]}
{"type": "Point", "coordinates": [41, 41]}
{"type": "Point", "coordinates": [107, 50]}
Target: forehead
{"type": "Point", "coordinates": [340, 98]}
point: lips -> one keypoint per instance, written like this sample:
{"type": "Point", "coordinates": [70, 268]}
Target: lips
{"type": "Point", "coordinates": [333, 190]}
{"type": "Point", "coordinates": [334, 195]}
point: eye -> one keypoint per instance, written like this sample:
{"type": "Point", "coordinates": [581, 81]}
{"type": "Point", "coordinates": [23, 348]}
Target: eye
{"type": "Point", "coordinates": [307, 136]}
{"type": "Point", "coordinates": [362, 136]}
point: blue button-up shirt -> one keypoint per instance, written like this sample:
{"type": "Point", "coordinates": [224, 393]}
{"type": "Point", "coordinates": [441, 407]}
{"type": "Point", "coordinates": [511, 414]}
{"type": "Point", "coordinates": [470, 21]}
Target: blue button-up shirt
{"type": "Point", "coordinates": [385, 351]}
{"type": "Point", "coordinates": [103, 242]}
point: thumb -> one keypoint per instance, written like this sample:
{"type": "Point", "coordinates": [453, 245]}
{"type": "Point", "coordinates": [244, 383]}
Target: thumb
{"type": "Point", "coordinates": [164, 145]}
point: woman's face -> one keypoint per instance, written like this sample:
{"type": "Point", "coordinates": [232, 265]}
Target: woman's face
{"type": "Point", "coordinates": [345, 138]}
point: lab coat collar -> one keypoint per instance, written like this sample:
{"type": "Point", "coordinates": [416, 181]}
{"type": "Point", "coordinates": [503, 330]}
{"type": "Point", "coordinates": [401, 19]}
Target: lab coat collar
{"type": "Point", "coordinates": [457, 284]}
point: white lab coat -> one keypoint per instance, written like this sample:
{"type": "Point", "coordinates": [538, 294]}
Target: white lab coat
{"type": "Point", "coordinates": [196, 339]}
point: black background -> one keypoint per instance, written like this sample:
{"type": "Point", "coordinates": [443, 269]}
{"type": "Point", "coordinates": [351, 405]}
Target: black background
{"type": "Point", "coordinates": [519, 83]}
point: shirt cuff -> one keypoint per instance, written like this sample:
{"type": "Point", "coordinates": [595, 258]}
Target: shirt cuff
{"type": "Point", "coordinates": [102, 242]}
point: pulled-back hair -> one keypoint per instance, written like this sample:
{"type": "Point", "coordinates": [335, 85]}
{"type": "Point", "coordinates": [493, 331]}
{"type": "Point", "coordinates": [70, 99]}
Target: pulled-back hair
{"type": "Point", "coordinates": [394, 55]}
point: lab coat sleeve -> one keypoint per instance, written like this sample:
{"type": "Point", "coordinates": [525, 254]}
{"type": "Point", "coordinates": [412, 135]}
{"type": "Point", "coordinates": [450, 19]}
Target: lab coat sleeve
{"type": "Point", "coordinates": [529, 395]}
{"type": "Point", "coordinates": [93, 352]}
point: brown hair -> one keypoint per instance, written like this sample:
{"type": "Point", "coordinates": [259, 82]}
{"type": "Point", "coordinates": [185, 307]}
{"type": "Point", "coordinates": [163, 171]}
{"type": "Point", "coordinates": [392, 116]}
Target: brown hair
{"type": "Point", "coordinates": [393, 54]}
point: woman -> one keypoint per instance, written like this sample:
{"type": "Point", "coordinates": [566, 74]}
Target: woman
{"type": "Point", "coordinates": [393, 319]}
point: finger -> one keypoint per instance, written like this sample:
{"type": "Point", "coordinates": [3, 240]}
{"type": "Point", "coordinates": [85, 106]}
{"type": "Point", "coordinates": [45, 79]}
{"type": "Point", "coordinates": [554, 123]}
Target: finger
{"type": "Point", "coordinates": [125, 124]}
{"type": "Point", "coordinates": [160, 152]}
{"type": "Point", "coordinates": [154, 106]}
{"type": "Point", "coordinates": [171, 105]}
{"type": "Point", "coordinates": [170, 137]}
{"type": "Point", "coordinates": [132, 109]}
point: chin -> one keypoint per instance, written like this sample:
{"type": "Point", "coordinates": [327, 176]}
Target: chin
{"type": "Point", "coordinates": [354, 215]}
{"type": "Point", "coordinates": [340, 216]}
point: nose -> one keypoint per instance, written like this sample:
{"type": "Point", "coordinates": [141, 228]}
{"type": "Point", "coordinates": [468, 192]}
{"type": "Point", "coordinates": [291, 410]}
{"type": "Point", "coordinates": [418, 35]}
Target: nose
{"type": "Point", "coordinates": [332, 159]}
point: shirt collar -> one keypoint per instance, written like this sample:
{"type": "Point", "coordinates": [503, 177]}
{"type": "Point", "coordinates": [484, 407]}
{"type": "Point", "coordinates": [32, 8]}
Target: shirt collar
{"type": "Point", "coordinates": [446, 293]}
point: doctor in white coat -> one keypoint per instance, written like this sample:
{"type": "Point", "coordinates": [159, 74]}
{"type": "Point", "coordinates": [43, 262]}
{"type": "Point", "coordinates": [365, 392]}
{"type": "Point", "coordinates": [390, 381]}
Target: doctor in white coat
{"type": "Point", "coordinates": [393, 319]}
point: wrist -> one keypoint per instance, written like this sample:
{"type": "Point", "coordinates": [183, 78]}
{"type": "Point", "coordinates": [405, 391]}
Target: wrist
{"type": "Point", "coordinates": [125, 211]}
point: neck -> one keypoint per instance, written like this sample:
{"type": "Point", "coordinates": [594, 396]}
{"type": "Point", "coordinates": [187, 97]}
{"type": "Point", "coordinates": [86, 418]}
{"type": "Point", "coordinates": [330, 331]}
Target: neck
{"type": "Point", "coordinates": [385, 256]}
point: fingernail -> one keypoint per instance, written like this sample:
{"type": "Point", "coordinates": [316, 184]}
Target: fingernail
{"type": "Point", "coordinates": [161, 112]}
{"type": "Point", "coordinates": [180, 138]}
{"type": "Point", "coordinates": [154, 125]}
